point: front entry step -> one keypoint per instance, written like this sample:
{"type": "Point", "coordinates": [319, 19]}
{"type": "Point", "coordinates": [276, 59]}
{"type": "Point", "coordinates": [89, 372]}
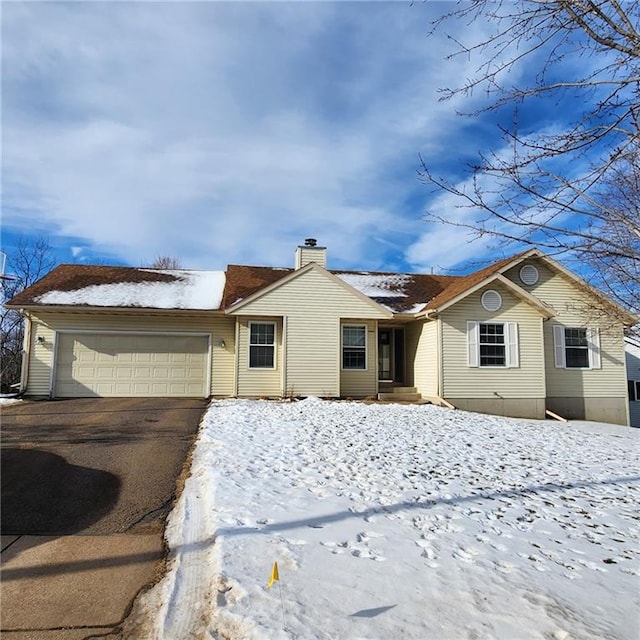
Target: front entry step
{"type": "Point", "coordinates": [400, 394]}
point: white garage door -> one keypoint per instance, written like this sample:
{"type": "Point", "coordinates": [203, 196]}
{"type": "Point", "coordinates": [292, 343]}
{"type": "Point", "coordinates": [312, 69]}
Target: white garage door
{"type": "Point", "coordinates": [127, 365]}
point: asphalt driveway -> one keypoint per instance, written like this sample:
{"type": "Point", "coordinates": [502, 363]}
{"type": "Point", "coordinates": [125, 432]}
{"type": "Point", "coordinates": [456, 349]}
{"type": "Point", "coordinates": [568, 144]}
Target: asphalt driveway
{"type": "Point", "coordinates": [96, 466]}
{"type": "Point", "coordinates": [86, 486]}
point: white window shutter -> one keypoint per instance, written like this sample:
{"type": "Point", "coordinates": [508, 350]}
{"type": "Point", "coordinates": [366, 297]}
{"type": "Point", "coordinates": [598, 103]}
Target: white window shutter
{"type": "Point", "coordinates": [558, 347]}
{"type": "Point", "coordinates": [513, 356]}
{"type": "Point", "coordinates": [593, 340]}
{"type": "Point", "coordinates": [472, 343]}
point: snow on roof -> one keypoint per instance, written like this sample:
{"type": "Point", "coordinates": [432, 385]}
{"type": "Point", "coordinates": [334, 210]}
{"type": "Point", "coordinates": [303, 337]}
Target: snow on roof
{"type": "Point", "coordinates": [416, 308]}
{"type": "Point", "coordinates": [376, 285]}
{"type": "Point", "coordinates": [189, 290]}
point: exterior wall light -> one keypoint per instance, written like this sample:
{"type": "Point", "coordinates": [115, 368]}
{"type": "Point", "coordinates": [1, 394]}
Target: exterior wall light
{"type": "Point", "coordinates": [222, 344]}
{"type": "Point", "coordinates": [41, 340]}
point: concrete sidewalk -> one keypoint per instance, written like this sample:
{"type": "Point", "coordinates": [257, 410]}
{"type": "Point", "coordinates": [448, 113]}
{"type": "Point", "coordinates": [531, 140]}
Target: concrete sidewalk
{"type": "Point", "coordinates": [73, 587]}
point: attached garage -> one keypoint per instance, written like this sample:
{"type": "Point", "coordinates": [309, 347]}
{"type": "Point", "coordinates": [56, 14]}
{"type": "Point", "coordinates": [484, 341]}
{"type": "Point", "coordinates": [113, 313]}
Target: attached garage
{"type": "Point", "coordinates": [119, 364]}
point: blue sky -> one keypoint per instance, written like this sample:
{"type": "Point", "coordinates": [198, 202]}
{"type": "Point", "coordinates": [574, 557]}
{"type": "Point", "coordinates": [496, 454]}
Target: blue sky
{"type": "Point", "coordinates": [228, 132]}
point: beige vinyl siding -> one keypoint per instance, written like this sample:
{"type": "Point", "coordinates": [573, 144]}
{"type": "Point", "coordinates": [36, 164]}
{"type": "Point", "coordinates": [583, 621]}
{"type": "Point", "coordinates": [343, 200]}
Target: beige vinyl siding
{"type": "Point", "coordinates": [422, 350]}
{"type": "Point", "coordinates": [359, 383]}
{"type": "Point", "coordinates": [462, 381]}
{"type": "Point", "coordinates": [259, 382]}
{"type": "Point", "coordinates": [47, 323]}
{"type": "Point", "coordinates": [313, 305]}
{"type": "Point", "coordinates": [41, 359]}
{"type": "Point", "coordinates": [568, 302]}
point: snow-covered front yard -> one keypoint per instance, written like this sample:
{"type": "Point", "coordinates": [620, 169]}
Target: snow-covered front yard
{"type": "Point", "coordinates": [400, 521]}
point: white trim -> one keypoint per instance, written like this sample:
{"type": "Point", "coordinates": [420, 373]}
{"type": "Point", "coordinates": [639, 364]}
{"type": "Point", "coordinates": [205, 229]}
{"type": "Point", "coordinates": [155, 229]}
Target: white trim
{"type": "Point", "coordinates": [136, 332]}
{"type": "Point", "coordinates": [94, 332]}
{"type": "Point", "coordinates": [376, 352]}
{"type": "Point", "coordinates": [366, 346]}
{"type": "Point", "coordinates": [274, 345]}
{"type": "Point", "coordinates": [54, 363]}
{"type": "Point", "coordinates": [560, 355]}
{"type": "Point", "coordinates": [512, 351]}
{"type": "Point", "coordinates": [439, 358]}
{"type": "Point", "coordinates": [236, 359]}
{"type": "Point", "coordinates": [209, 365]}
{"type": "Point", "coordinates": [283, 375]}
{"type": "Point", "coordinates": [26, 352]}
{"type": "Point", "coordinates": [593, 345]}
{"type": "Point", "coordinates": [473, 344]}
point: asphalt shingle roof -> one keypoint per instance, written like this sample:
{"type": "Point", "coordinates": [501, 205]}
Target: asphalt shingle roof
{"type": "Point", "coordinates": [401, 293]}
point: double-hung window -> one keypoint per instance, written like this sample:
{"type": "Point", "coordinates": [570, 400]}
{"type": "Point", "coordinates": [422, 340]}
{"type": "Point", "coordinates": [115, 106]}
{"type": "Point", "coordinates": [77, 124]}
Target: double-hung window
{"type": "Point", "coordinates": [492, 344]}
{"type": "Point", "coordinates": [492, 347]}
{"type": "Point", "coordinates": [634, 390]}
{"type": "Point", "coordinates": [262, 345]}
{"type": "Point", "coordinates": [576, 347]}
{"type": "Point", "coordinates": [354, 346]}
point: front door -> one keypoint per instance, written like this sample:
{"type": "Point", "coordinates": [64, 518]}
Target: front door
{"type": "Point", "coordinates": [390, 354]}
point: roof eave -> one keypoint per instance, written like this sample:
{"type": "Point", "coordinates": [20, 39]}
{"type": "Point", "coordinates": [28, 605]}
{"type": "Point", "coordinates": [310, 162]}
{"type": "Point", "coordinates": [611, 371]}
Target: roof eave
{"type": "Point", "coordinates": [628, 318]}
{"type": "Point", "coordinates": [519, 292]}
{"type": "Point", "coordinates": [34, 308]}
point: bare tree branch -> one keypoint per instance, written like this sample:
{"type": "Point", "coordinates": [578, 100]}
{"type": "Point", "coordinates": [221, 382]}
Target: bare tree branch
{"type": "Point", "coordinates": [29, 261]}
{"type": "Point", "coordinates": [573, 191]}
{"type": "Point", "coordinates": [166, 262]}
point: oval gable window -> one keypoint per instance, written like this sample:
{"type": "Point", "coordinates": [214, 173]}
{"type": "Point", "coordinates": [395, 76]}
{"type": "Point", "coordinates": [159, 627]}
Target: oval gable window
{"type": "Point", "coordinates": [491, 300]}
{"type": "Point", "coordinates": [529, 274]}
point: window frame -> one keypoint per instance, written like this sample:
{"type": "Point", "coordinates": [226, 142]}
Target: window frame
{"type": "Point", "coordinates": [364, 348]}
{"type": "Point", "coordinates": [511, 345]}
{"type": "Point", "coordinates": [582, 349]}
{"type": "Point", "coordinates": [594, 359]}
{"type": "Point", "coordinates": [503, 344]}
{"type": "Point", "coordinates": [273, 345]}
{"type": "Point", "coordinates": [635, 385]}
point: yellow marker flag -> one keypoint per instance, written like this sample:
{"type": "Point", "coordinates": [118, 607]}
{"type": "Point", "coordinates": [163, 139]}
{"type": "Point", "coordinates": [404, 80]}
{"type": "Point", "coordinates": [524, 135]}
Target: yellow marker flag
{"type": "Point", "coordinates": [274, 575]}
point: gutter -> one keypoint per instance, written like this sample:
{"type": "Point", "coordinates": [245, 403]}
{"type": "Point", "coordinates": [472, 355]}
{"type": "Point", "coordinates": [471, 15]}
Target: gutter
{"type": "Point", "coordinates": [431, 313]}
{"type": "Point", "coordinates": [440, 358]}
{"type": "Point", "coordinates": [113, 310]}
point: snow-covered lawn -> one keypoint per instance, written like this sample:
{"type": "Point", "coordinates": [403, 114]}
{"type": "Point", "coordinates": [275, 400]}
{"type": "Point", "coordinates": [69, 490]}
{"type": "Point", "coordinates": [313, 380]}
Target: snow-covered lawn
{"type": "Point", "coordinates": [401, 521]}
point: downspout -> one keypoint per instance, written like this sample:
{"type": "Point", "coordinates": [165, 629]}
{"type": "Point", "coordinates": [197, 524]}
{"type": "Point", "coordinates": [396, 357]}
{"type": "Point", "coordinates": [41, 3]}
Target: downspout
{"type": "Point", "coordinates": [236, 372]}
{"type": "Point", "coordinates": [375, 355]}
{"type": "Point", "coordinates": [439, 356]}
{"type": "Point", "coordinates": [283, 379]}
{"type": "Point", "coordinates": [26, 353]}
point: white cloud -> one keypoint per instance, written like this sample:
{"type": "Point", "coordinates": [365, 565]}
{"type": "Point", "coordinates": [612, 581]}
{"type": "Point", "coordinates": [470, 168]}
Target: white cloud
{"type": "Point", "coordinates": [219, 132]}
